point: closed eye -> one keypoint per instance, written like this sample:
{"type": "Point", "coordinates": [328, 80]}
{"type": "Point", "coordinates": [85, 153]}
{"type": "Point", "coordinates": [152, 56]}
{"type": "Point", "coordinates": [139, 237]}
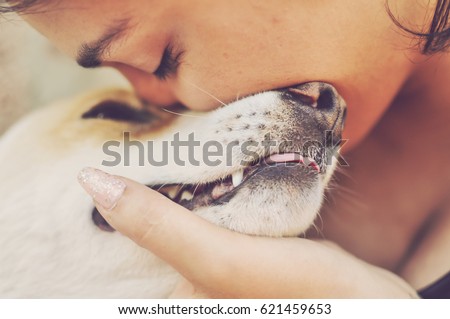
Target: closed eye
{"type": "Point", "coordinates": [169, 64]}
{"type": "Point", "coordinates": [119, 111]}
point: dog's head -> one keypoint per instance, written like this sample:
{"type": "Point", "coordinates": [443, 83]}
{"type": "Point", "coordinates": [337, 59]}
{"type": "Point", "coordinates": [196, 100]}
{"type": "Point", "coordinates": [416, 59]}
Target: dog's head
{"type": "Point", "coordinates": [259, 166]}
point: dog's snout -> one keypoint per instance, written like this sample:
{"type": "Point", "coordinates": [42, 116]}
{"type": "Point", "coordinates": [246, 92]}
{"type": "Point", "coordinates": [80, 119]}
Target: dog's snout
{"type": "Point", "coordinates": [323, 99]}
{"type": "Point", "coordinates": [319, 95]}
{"type": "Point", "coordinates": [303, 97]}
{"type": "Point", "coordinates": [327, 99]}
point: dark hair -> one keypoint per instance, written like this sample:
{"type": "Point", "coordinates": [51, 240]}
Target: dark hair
{"type": "Point", "coordinates": [16, 5]}
{"type": "Point", "coordinates": [435, 39]}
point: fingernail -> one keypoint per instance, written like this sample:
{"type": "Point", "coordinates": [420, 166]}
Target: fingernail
{"type": "Point", "coordinates": [105, 189]}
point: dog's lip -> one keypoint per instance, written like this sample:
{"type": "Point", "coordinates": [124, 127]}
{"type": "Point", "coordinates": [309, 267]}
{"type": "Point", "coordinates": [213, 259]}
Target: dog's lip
{"type": "Point", "coordinates": [101, 222]}
{"type": "Point", "coordinates": [205, 192]}
{"type": "Point", "coordinates": [213, 193]}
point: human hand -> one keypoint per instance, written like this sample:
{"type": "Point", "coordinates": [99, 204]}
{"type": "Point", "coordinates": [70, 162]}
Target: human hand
{"type": "Point", "coordinates": [219, 263]}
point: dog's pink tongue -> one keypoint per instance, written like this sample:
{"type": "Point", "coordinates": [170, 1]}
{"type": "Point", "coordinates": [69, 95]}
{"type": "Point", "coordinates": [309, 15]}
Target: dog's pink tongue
{"type": "Point", "coordinates": [286, 157]}
{"type": "Point", "coordinates": [292, 157]}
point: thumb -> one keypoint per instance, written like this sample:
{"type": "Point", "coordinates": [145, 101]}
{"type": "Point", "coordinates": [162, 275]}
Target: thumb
{"type": "Point", "coordinates": [170, 231]}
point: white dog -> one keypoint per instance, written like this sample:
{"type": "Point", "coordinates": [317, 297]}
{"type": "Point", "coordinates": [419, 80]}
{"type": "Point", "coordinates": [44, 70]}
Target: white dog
{"type": "Point", "coordinates": [259, 166]}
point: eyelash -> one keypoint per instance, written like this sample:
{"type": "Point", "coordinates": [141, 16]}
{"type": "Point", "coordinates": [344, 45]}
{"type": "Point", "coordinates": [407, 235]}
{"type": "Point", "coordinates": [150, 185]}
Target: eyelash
{"type": "Point", "coordinates": [169, 64]}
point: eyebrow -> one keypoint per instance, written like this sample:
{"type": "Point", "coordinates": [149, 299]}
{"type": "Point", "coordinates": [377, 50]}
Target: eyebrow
{"type": "Point", "coordinates": [91, 54]}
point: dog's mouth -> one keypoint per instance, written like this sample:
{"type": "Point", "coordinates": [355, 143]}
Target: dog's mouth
{"type": "Point", "coordinates": [193, 196]}
{"type": "Point", "coordinates": [221, 191]}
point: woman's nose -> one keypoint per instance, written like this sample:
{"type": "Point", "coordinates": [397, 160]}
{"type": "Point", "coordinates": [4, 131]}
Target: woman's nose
{"type": "Point", "coordinates": [148, 87]}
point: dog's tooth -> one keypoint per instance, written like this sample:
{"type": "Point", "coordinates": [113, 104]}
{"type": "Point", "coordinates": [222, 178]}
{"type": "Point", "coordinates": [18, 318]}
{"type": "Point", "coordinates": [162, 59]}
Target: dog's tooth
{"type": "Point", "coordinates": [186, 195]}
{"type": "Point", "coordinates": [173, 191]}
{"type": "Point", "coordinates": [237, 177]}
{"type": "Point", "coordinates": [301, 159]}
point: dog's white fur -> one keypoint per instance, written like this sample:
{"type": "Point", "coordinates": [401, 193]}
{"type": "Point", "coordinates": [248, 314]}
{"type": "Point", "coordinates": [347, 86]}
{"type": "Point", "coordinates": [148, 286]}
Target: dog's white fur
{"type": "Point", "coordinates": [49, 244]}
{"type": "Point", "coordinates": [13, 77]}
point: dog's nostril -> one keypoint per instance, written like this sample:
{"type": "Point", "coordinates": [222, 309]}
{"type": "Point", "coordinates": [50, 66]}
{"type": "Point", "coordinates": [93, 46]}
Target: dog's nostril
{"type": "Point", "coordinates": [326, 100]}
{"type": "Point", "coordinates": [303, 97]}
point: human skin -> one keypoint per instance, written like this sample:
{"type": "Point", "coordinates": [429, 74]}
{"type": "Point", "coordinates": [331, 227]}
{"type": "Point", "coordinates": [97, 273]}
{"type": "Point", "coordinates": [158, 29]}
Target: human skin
{"type": "Point", "coordinates": [234, 48]}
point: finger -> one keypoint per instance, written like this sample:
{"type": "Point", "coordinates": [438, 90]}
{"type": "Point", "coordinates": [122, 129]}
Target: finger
{"type": "Point", "coordinates": [215, 260]}
{"type": "Point", "coordinates": [194, 247]}
{"type": "Point", "coordinates": [221, 263]}
{"type": "Point", "coordinates": [186, 290]}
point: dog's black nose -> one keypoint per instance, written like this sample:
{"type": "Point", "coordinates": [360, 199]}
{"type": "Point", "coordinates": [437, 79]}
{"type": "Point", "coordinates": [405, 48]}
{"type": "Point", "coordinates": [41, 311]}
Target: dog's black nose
{"type": "Point", "coordinates": [323, 99]}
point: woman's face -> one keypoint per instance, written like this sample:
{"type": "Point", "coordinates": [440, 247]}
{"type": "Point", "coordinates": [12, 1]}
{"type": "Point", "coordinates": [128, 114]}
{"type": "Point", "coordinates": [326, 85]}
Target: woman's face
{"type": "Point", "coordinates": [227, 49]}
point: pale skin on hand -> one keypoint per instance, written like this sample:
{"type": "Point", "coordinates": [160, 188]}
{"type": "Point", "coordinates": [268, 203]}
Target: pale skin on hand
{"type": "Point", "coordinates": [209, 258]}
{"type": "Point", "coordinates": [234, 48]}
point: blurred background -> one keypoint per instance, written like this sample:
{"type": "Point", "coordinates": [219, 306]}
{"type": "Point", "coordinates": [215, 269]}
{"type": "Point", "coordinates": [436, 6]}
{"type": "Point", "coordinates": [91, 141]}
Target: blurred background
{"type": "Point", "coordinates": [33, 73]}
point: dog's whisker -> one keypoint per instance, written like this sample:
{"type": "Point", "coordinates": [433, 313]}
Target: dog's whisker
{"type": "Point", "coordinates": [203, 91]}
{"type": "Point", "coordinates": [183, 114]}
{"type": "Point", "coordinates": [343, 172]}
{"type": "Point", "coordinates": [161, 187]}
{"type": "Point", "coordinates": [342, 190]}
{"type": "Point", "coordinates": [195, 189]}
{"type": "Point", "coordinates": [318, 230]}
